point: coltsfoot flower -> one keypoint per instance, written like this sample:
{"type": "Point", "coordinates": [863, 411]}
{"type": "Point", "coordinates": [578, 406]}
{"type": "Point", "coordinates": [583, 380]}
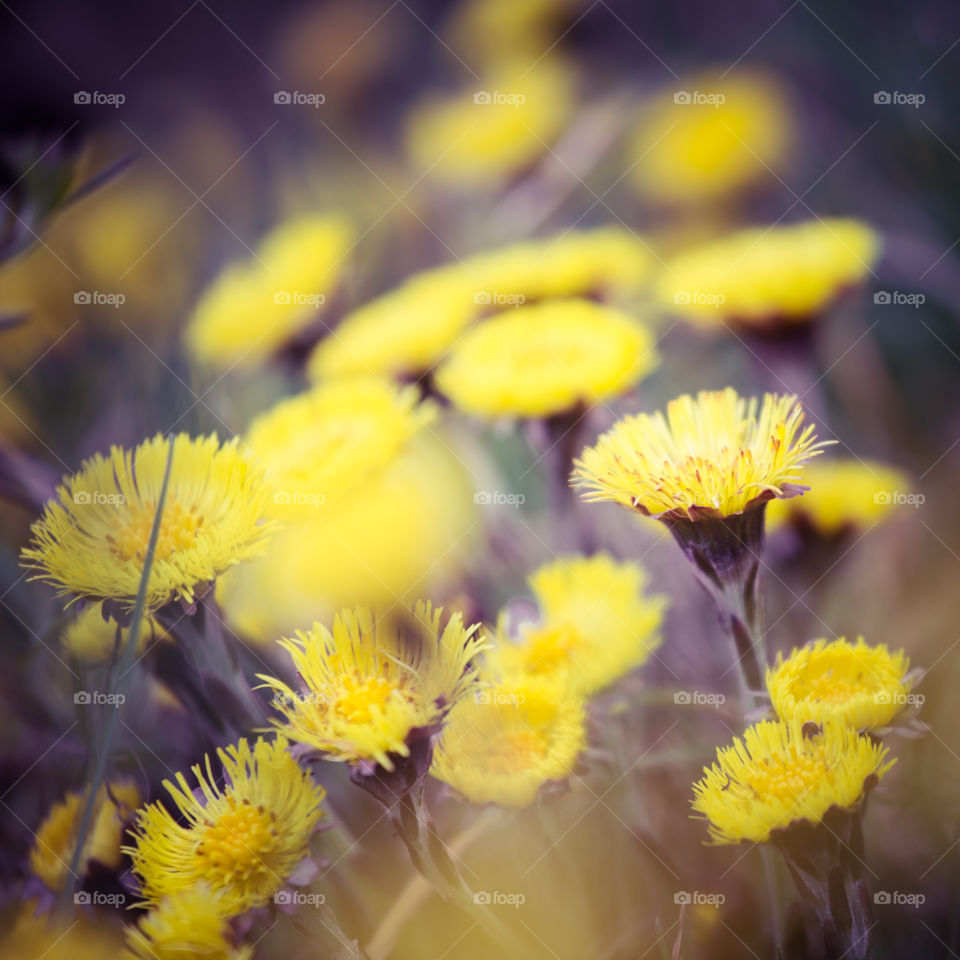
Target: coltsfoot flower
{"type": "Point", "coordinates": [56, 837]}
{"type": "Point", "coordinates": [716, 454]}
{"type": "Point", "coordinates": [844, 495]}
{"type": "Point", "coordinates": [92, 539]}
{"type": "Point", "coordinates": [508, 740]}
{"type": "Point", "coordinates": [373, 683]}
{"type": "Point", "coordinates": [545, 359]}
{"type": "Point", "coordinates": [187, 924]}
{"type": "Point", "coordinates": [596, 624]}
{"type": "Point", "coordinates": [253, 308]}
{"type": "Point", "coordinates": [777, 776]}
{"type": "Point", "coordinates": [91, 637]}
{"type": "Point", "coordinates": [769, 275]}
{"type": "Point", "coordinates": [243, 840]}
{"type": "Point", "coordinates": [862, 686]}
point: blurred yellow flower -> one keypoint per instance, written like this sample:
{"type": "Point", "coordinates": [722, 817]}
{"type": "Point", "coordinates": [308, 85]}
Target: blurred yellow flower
{"type": "Point", "coordinates": [717, 136]}
{"type": "Point", "coordinates": [596, 624]}
{"type": "Point", "coordinates": [243, 840]}
{"type": "Point", "coordinates": [843, 495]}
{"type": "Point", "coordinates": [92, 540]}
{"type": "Point", "coordinates": [187, 925]}
{"type": "Point", "coordinates": [56, 838]}
{"type": "Point", "coordinates": [769, 275]}
{"type": "Point", "coordinates": [38, 936]}
{"type": "Point", "coordinates": [91, 638]}
{"type": "Point", "coordinates": [776, 776]}
{"type": "Point", "coordinates": [546, 359]}
{"type": "Point", "coordinates": [408, 329]}
{"type": "Point", "coordinates": [718, 452]}
{"type": "Point", "coordinates": [373, 508]}
{"type": "Point", "coordinates": [510, 739]}
{"type": "Point", "coordinates": [864, 687]}
{"type": "Point", "coordinates": [254, 307]}
{"type": "Point", "coordinates": [374, 681]}
{"type": "Point", "coordinates": [496, 128]}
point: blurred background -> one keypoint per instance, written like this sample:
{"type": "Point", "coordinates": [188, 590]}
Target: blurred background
{"type": "Point", "coordinates": [145, 149]}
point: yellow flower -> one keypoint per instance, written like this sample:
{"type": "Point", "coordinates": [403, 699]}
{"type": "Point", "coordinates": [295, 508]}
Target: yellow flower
{"type": "Point", "coordinates": [374, 681]}
{"type": "Point", "coordinates": [187, 925]}
{"type": "Point", "coordinates": [244, 840]}
{"type": "Point", "coordinates": [408, 329]}
{"type": "Point", "coordinates": [595, 624]}
{"type": "Point", "coordinates": [861, 686]}
{"type": "Point", "coordinates": [508, 740]}
{"type": "Point", "coordinates": [691, 147]}
{"type": "Point", "coordinates": [38, 936]}
{"type": "Point", "coordinates": [718, 452]}
{"type": "Point", "coordinates": [90, 637]}
{"type": "Point", "coordinates": [498, 127]}
{"type": "Point", "coordinates": [843, 495]}
{"type": "Point", "coordinates": [775, 776]}
{"type": "Point", "coordinates": [768, 275]}
{"type": "Point", "coordinates": [92, 540]}
{"type": "Point", "coordinates": [56, 837]}
{"type": "Point", "coordinates": [547, 358]}
{"type": "Point", "coordinates": [255, 307]}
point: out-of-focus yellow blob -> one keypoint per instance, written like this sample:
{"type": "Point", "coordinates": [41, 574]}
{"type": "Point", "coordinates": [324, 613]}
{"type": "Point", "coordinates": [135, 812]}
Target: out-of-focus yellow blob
{"type": "Point", "coordinates": [714, 137]}
{"type": "Point", "coordinates": [75, 938]}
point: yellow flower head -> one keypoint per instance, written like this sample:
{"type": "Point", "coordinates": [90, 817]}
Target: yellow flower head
{"type": "Point", "coordinates": [321, 444]}
{"type": "Point", "coordinates": [595, 624]}
{"type": "Point", "coordinates": [546, 359]}
{"type": "Point", "coordinates": [373, 681]}
{"type": "Point", "coordinates": [39, 936]}
{"type": "Point", "coordinates": [56, 837]}
{"type": "Point", "coordinates": [718, 452]}
{"type": "Point", "coordinates": [693, 147]}
{"type": "Point", "coordinates": [254, 307]}
{"type": "Point", "coordinates": [498, 127]}
{"type": "Point", "coordinates": [408, 329]}
{"type": "Point", "coordinates": [864, 687]}
{"type": "Point", "coordinates": [91, 638]}
{"type": "Point", "coordinates": [776, 776]}
{"type": "Point", "coordinates": [92, 539]}
{"type": "Point", "coordinates": [187, 925]}
{"type": "Point", "coordinates": [843, 495]}
{"type": "Point", "coordinates": [506, 741]}
{"type": "Point", "coordinates": [769, 275]}
{"type": "Point", "coordinates": [243, 839]}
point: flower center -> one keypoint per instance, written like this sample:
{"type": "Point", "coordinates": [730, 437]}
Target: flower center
{"type": "Point", "coordinates": [178, 530]}
{"type": "Point", "coordinates": [551, 647]}
{"type": "Point", "coordinates": [358, 698]}
{"type": "Point", "coordinates": [515, 751]}
{"type": "Point", "coordinates": [787, 780]}
{"type": "Point", "coordinates": [837, 685]}
{"type": "Point", "coordinates": [235, 845]}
